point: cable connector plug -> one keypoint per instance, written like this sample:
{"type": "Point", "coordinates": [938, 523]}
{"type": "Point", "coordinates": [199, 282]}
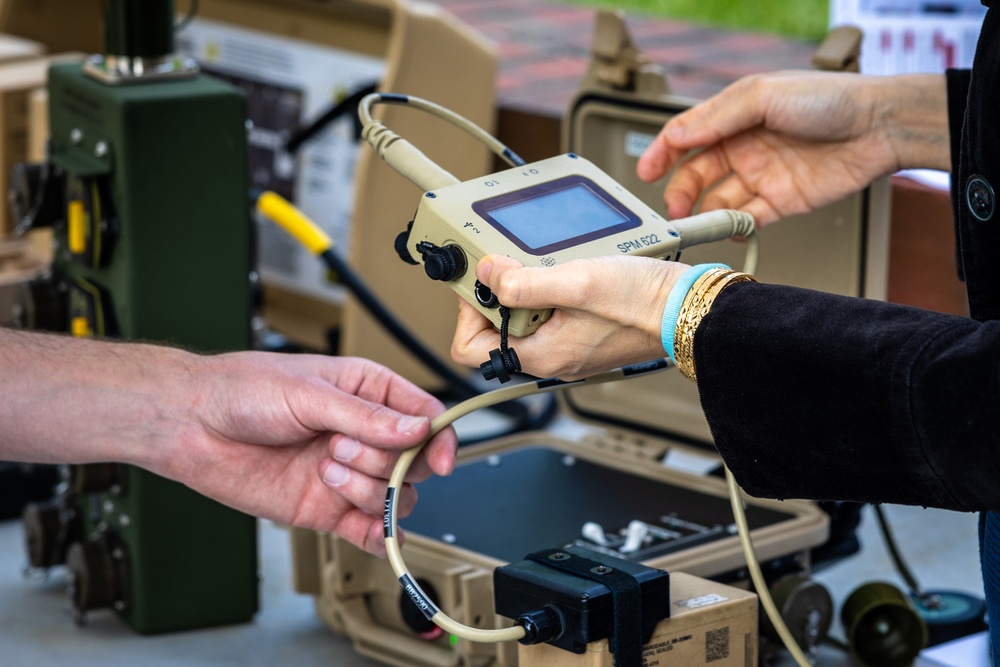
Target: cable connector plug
{"type": "Point", "coordinates": [502, 365]}
{"type": "Point", "coordinates": [406, 158]}
{"type": "Point", "coordinates": [540, 626]}
{"type": "Point", "coordinates": [503, 361]}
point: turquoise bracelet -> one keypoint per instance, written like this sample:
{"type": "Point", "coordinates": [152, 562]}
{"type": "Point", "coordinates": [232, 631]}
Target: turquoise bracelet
{"type": "Point", "coordinates": [674, 301]}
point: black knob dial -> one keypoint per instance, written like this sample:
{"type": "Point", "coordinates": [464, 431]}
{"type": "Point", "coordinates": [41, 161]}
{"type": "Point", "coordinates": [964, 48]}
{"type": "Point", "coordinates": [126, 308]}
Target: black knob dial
{"type": "Point", "coordinates": [446, 263]}
{"type": "Point", "coordinates": [400, 245]}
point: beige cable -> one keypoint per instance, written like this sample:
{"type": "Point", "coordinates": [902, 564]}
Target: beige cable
{"type": "Point", "coordinates": [464, 408]}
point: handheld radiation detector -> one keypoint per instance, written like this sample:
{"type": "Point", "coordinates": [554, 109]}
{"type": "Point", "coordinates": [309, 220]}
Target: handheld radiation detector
{"type": "Point", "coordinates": [543, 214]}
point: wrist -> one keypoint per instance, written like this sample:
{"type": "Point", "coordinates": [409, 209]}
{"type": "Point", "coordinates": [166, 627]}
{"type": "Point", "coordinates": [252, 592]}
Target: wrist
{"type": "Point", "coordinates": [912, 113]}
{"type": "Point", "coordinates": [674, 301]}
{"type": "Point", "coordinates": [696, 304]}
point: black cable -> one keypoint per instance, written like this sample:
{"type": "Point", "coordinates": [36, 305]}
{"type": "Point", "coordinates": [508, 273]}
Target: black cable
{"type": "Point", "coordinates": [347, 105]}
{"type": "Point", "coordinates": [191, 14]}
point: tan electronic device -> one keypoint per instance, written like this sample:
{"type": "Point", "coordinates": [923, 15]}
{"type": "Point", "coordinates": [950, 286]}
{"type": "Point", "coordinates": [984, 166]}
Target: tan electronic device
{"type": "Point", "coordinates": [710, 623]}
{"type": "Point", "coordinates": [543, 214]}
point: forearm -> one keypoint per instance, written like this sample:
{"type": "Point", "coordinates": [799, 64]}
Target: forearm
{"type": "Point", "coordinates": [69, 400]}
{"type": "Point", "coordinates": [912, 112]}
{"type": "Point", "coordinates": [818, 396]}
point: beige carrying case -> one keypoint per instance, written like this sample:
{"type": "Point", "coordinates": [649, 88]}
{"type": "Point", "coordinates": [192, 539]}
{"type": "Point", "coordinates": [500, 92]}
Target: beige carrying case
{"type": "Point", "coordinates": [603, 462]}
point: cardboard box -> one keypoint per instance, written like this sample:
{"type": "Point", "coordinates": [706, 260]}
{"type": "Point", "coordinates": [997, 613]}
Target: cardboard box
{"type": "Point", "coordinates": [38, 125]}
{"type": "Point", "coordinates": [17, 81]}
{"type": "Point", "coordinates": [14, 48]}
{"type": "Point", "coordinates": [20, 259]}
{"type": "Point", "coordinates": [359, 200]}
{"type": "Point", "coordinates": [709, 623]}
{"type": "Point", "coordinates": [60, 25]}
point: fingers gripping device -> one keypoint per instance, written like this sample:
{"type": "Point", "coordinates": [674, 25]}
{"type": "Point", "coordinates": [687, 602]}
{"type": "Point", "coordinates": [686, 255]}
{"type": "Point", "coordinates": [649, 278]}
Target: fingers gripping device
{"type": "Point", "coordinates": [542, 214]}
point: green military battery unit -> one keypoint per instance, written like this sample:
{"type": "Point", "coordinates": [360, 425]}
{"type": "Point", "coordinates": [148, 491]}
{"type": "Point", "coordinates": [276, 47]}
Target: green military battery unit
{"type": "Point", "coordinates": [152, 244]}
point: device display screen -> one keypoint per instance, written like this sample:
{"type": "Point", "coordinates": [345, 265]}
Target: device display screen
{"type": "Point", "coordinates": [555, 215]}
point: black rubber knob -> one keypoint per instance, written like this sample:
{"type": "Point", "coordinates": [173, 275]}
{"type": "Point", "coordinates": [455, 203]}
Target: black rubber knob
{"type": "Point", "coordinates": [444, 264]}
{"type": "Point", "coordinates": [400, 245]}
{"type": "Point", "coordinates": [501, 365]}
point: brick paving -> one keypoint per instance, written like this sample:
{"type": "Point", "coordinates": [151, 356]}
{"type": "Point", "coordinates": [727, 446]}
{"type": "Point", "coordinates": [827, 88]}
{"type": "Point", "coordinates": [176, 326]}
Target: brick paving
{"type": "Point", "coordinates": [544, 48]}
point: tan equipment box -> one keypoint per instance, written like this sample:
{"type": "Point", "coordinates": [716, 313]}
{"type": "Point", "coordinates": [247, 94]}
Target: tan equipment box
{"type": "Point", "coordinates": [60, 25]}
{"type": "Point", "coordinates": [14, 48]}
{"type": "Point", "coordinates": [531, 491]}
{"type": "Point", "coordinates": [420, 50]}
{"type": "Point", "coordinates": [709, 623]}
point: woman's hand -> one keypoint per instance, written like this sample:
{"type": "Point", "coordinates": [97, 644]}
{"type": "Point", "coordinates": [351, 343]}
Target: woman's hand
{"type": "Point", "coordinates": [608, 313]}
{"type": "Point", "coordinates": [775, 145]}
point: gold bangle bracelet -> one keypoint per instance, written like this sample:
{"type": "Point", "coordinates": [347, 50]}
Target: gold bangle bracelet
{"type": "Point", "coordinates": [683, 348]}
{"type": "Point", "coordinates": [695, 306]}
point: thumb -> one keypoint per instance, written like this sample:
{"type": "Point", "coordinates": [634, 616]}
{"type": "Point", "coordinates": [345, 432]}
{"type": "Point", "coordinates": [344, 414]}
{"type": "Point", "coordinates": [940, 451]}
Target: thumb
{"type": "Point", "coordinates": [517, 286]}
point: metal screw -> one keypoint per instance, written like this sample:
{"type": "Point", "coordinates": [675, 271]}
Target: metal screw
{"type": "Point", "coordinates": [602, 569]}
{"type": "Point", "coordinates": [101, 149]}
{"type": "Point", "coordinates": [569, 460]}
{"type": "Point", "coordinates": [493, 461]}
{"type": "Point", "coordinates": [449, 538]}
{"type": "Point", "coordinates": [430, 195]}
{"type": "Point", "coordinates": [124, 520]}
{"type": "Point", "coordinates": [559, 555]}
{"type": "Point", "coordinates": [76, 135]}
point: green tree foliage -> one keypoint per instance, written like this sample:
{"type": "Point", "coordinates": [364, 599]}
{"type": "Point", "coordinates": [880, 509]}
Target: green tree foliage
{"type": "Point", "coordinates": [801, 19]}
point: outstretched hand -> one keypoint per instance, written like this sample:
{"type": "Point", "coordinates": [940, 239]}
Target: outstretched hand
{"type": "Point", "coordinates": [780, 144]}
{"type": "Point", "coordinates": [308, 441]}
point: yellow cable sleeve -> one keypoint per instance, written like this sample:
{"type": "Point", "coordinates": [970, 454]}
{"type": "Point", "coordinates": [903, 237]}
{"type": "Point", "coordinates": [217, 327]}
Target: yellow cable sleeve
{"type": "Point", "coordinates": [293, 221]}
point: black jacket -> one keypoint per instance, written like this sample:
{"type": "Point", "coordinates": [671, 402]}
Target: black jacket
{"type": "Point", "coordinates": [810, 395]}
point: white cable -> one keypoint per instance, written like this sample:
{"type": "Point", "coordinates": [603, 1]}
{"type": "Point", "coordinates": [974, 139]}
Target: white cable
{"type": "Point", "coordinates": [392, 546]}
{"type": "Point", "coordinates": [743, 528]}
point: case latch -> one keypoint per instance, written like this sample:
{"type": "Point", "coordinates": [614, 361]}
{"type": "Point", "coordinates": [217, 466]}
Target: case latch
{"type": "Point", "coordinates": [616, 62]}
{"type": "Point", "coordinates": [840, 50]}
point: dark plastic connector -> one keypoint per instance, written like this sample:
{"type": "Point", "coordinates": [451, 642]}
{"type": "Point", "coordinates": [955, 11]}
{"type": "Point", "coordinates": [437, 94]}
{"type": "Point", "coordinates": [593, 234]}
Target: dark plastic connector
{"type": "Point", "coordinates": [540, 626]}
{"type": "Point", "coordinates": [501, 365]}
{"type": "Point", "coordinates": [445, 263]}
{"type": "Point", "coordinates": [584, 606]}
{"type": "Point", "coordinates": [486, 297]}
